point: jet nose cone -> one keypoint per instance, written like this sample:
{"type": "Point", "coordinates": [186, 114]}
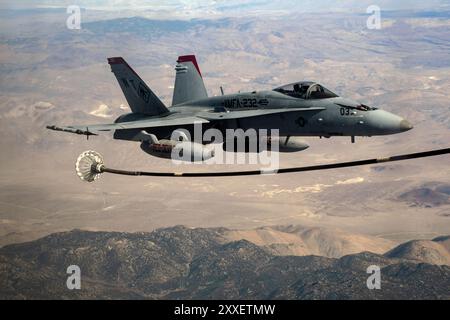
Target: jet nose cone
{"type": "Point", "coordinates": [405, 125]}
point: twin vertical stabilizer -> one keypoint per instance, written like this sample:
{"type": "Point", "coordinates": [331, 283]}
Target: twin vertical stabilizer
{"type": "Point", "coordinates": [189, 84]}
{"type": "Point", "coordinates": [139, 96]}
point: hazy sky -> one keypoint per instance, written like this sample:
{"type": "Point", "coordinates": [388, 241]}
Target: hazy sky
{"type": "Point", "coordinates": [224, 5]}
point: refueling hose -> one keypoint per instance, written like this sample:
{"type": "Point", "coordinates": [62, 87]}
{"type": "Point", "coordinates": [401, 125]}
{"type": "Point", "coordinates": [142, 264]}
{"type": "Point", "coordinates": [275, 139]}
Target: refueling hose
{"type": "Point", "coordinates": [97, 167]}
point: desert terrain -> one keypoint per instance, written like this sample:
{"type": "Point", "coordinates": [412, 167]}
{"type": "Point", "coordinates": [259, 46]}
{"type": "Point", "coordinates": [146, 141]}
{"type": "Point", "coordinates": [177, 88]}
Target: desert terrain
{"type": "Point", "coordinates": [53, 75]}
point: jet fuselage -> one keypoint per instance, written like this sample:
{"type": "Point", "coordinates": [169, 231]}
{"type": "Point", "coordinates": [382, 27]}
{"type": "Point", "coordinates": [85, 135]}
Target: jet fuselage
{"type": "Point", "coordinates": [334, 116]}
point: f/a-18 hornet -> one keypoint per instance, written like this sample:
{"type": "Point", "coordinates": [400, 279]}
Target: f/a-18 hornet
{"type": "Point", "coordinates": [303, 108]}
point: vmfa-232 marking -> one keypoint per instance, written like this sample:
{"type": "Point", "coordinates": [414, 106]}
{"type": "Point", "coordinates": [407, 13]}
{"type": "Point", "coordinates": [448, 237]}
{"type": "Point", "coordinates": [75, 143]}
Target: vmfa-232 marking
{"type": "Point", "coordinates": [244, 103]}
{"type": "Point", "coordinates": [302, 108]}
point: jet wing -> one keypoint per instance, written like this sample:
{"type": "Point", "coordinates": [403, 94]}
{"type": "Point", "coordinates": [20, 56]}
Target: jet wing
{"type": "Point", "coordinates": [177, 120]}
{"type": "Point", "coordinates": [213, 116]}
{"type": "Point", "coordinates": [138, 124]}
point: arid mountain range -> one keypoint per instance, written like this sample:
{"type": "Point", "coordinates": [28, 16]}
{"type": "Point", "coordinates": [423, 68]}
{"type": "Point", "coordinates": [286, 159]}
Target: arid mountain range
{"type": "Point", "coordinates": [189, 263]}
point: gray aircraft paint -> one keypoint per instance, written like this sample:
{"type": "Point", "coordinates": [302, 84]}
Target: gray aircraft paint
{"type": "Point", "coordinates": [312, 110]}
{"type": "Point", "coordinates": [189, 84]}
{"type": "Point", "coordinates": [140, 98]}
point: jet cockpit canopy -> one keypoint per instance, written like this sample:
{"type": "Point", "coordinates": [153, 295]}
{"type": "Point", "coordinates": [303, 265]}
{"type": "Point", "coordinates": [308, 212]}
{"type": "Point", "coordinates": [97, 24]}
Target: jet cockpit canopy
{"type": "Point", "coordinates": [306, 90]}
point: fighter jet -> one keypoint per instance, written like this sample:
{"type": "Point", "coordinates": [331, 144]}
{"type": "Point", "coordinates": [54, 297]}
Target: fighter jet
{"type": "Point", "coordinates": [303, 108]}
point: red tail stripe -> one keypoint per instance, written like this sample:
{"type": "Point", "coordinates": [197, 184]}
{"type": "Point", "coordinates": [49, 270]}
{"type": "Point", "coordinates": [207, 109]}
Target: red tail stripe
{"type": "Point", "coordinates": [120, 60]}
{"type": "Point", "coordinates": [192, 59]}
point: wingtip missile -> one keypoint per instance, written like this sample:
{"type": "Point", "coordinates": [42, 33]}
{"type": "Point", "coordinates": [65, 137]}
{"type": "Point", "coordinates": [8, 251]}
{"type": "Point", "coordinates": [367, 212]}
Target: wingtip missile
{"type": "Point", "coordinates": [72, 130]}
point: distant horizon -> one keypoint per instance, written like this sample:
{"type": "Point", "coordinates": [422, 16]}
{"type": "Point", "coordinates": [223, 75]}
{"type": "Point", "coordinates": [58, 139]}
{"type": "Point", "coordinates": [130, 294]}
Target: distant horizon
{"type": "Point", "coordinates": [229, 7]}
{"type": "Point", "coordinates": [111, 13]}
